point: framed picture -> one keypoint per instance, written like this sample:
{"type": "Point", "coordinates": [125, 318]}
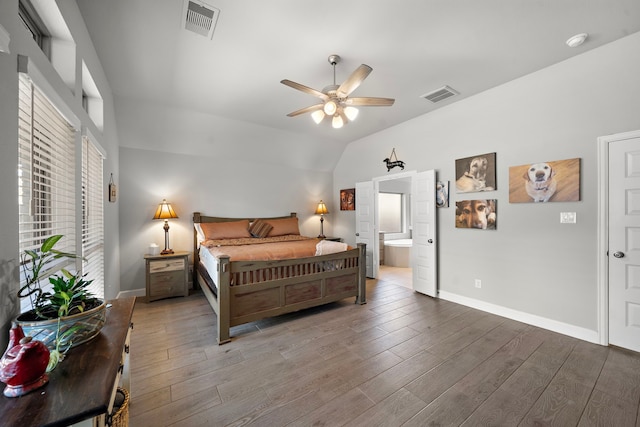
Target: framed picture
{"type": "Point", "coordinates": [348, 199]}
{"type": "Point", "coordinates": [554, 181]}
{"type": "Point", "coordinates": [481, 214]}
{"type": "Point", "coordinates": [476, 173]}
{"type": "Point", "coordinates": [442, 194]}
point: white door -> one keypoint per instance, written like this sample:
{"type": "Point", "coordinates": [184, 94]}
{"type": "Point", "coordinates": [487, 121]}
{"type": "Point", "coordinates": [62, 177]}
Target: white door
{"type": "Point", "coordinates": [423, 252]}
{"type": "Point", "coordinates": [624, 242]}
{"type": "Point", "coordinates": [365, 225]}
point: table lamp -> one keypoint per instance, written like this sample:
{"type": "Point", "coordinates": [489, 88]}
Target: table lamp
{"type": "Point", "coordinates": [165, 211]}
{"type": "Point", "coordinates": [322, 210]}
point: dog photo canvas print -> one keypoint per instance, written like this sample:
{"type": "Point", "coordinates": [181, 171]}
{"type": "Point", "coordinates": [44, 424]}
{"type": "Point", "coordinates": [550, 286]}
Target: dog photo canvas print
{"type": "Point", "coordinates": [348, 199]}
{"type": "Point", "coordinates": [555, 181]}
{"type": "Point", "coordinates": [442, 194]}
{"type": "Point", "coordinates": [476, 173]}
{"type": "Point", "coordinates": [481, 214]}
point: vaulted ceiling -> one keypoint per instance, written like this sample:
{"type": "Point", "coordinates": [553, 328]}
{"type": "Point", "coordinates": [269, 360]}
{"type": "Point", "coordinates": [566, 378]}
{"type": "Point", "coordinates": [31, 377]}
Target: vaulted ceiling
{"type": "Point", "coordinates": [413, 46]}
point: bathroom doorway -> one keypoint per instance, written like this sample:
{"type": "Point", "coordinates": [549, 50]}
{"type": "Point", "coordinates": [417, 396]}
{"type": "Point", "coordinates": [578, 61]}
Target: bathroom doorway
{"type": "Point", "coordinates": [395, 231]}
{"type": "Point", "coordinates": [421, 227]}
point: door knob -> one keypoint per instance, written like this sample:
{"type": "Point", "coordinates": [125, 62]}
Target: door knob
{"type": "Point", "coordinates": [618, 254]}
{"type": "Point", "coordinates": [357, 234]}
{"type": "Point", "coordinates": [430, 241]}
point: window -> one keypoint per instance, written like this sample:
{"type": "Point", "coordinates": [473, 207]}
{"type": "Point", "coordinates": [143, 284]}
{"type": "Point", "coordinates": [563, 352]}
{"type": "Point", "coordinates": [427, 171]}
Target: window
{"type": "Point", "coordinates": [46, 175]}
{"type": "Point", "coordinates": [92, 218]}
{"type": "Point", "coordinates": [34, 24]}
{"type": "Point", "coordinates": [390, 212]}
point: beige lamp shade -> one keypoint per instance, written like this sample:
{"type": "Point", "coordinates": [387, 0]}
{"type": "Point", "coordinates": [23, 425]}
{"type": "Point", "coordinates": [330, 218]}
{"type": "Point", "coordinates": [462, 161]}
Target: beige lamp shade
{"type": "Point", "coordinates": [321, 209]}
{"type": "Point", "coordinates": [165, 211]}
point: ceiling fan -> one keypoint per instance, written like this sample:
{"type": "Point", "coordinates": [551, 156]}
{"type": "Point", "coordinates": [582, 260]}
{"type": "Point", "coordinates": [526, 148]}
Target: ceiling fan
{"type": "Point", "coordinates": [336, 102]}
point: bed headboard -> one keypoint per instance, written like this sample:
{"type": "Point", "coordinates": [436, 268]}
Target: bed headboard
{"type": "Point", "coordinates": [198, 218]}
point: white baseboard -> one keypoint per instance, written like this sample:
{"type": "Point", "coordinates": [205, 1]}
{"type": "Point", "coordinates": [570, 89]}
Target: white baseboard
{"type": "Point", "coordinates": [133, 293]}
{"type": "Point", "coordinates": [531, 319]}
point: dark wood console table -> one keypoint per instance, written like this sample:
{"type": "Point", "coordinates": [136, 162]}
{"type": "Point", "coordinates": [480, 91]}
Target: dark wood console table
{"type": "Point", "coordinates": [82, 386]}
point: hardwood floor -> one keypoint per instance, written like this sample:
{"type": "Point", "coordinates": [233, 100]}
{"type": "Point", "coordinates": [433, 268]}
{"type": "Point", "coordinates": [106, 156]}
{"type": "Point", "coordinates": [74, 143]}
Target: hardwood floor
{"type": "Point", "coordinates": [402, 359]}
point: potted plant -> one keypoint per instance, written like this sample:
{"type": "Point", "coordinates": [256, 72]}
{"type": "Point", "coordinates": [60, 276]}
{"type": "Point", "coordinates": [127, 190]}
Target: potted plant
{"type": "Point", "coordinates": [66, 316]}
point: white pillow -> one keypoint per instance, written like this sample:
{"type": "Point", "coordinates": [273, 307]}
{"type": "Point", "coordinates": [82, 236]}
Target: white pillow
{"type": "Point", "coordinates": [199, 232]}
{"type": "Point", "coordinates": [325, 247]}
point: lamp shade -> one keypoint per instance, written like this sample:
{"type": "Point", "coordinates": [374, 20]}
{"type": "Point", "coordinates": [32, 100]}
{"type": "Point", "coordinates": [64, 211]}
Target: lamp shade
{"type": "Point", "coordinates": [337, 122]}
{"type": "Point", "coordinates": [165, 211]}
{"type": "Point", "coordinates": [317, 116]}
{"type": "Point", "coordinates": [321, 209]}
{"type": "Point", "coordinates": [351, 113]}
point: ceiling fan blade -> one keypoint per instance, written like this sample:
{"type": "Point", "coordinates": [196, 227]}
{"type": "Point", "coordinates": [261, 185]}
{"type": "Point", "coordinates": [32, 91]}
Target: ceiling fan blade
{"type": "Point", "coordinates": [354, 80]}
{"type": "Point", "coordinates": [305, 89]}
{"type": "Point", "coordinates": [370, 102]}
{"type": "Point", "coordinates": [308, 109]}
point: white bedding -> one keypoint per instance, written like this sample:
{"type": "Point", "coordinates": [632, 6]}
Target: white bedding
{"type": "Point", "coordinates": [208, 260]}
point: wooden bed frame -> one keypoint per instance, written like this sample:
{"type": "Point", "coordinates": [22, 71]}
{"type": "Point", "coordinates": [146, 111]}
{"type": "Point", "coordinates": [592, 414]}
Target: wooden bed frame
{"type": "Point", "coordinates": [301, 283]}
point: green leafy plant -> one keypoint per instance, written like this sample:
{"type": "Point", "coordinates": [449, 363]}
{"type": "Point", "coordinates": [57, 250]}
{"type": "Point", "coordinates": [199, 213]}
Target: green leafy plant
{"type": "Point", "coordinates": [70, 295]}
{"type": "Point", "coordinates": [34, 264]}
{"type": "Point", "coordinates": [57, 355]}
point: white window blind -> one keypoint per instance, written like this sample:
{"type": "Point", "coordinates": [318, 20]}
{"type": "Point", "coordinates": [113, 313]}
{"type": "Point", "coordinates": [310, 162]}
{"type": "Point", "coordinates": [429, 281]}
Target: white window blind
{"type": "Point", "coordinates": [92, 217]}
{"type": "Point", "coordinates": [46, 175]}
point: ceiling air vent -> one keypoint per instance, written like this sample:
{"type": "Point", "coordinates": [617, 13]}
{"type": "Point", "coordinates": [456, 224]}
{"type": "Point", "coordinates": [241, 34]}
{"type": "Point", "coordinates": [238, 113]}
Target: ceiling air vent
{"type": "Point", "coordinates": [440, 94]}
{"type": "Point", "coordinates": [200, 18]}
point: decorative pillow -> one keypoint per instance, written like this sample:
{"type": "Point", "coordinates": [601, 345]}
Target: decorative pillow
{"type": "Point", "coordinates": [259, 228]}
{"type": "Point", "coordinates": [283, 227]}
{"type": "Point", "coordinates": [226, 230]}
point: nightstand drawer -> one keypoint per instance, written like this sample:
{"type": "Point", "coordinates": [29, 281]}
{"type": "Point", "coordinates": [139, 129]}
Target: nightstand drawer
{"type": "Point", "coordinates": [158, 279]}
{"type": "Point", "coordinates": [166, 265]}
{"type": "Point", "coordinates": [167, 284]}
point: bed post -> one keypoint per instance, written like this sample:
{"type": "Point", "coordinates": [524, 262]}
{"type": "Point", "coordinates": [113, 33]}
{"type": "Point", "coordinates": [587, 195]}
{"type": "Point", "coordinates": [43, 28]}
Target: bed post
{"type": "Point", "coordinates": [224, 302]}
{"type": "Point", "coordinates": [196, 255]}
{"type": "Point", "coordinates": [362, 275]}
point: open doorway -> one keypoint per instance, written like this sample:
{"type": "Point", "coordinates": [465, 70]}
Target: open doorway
{"type": "Point", "coordinates": [422, 227]}
{"type": "Point", "coordinates": [395, 230]}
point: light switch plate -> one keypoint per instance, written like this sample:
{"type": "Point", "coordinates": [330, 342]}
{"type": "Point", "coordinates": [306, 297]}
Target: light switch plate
{"type": "Point", "coordinates": [567, 217]}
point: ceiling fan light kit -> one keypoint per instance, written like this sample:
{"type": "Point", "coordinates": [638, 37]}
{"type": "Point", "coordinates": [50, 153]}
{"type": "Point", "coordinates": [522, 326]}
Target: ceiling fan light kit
{"type": "Point", "coordinates": [330, 108]}
{"type": "Point", "coordinates": [336, 102]}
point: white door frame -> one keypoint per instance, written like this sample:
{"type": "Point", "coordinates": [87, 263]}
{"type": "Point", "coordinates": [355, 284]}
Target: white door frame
{"type": "Point", "coordinates": [603, 231]}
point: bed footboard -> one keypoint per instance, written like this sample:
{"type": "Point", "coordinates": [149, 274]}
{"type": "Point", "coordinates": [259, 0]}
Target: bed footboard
{"type": "Point", "coordinates": [247, 291]}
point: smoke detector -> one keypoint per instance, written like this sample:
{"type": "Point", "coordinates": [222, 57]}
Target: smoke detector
{"type": "Point", "coordinates": [200, 17]}
{"type": "Point", "coordinates": [440, 94]}
{"type": "Point", "coordinates": [577, 40]}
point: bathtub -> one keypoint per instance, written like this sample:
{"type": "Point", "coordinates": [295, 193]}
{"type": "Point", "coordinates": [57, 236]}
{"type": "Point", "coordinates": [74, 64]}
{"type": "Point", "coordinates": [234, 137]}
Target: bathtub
{"type": "Point", "coordinates": [397, 253]}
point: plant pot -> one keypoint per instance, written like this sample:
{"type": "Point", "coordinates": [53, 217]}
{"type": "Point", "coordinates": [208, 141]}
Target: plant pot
{"type": "Point", "coordinates": [87, 325]}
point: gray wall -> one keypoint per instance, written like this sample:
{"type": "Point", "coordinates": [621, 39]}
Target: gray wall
{"type": "Point", "coordinates": [209, 164]}
{"type": "Point", "coordinates": [531, 264]}
{"type": "Point", "coordinates": [21, 43]}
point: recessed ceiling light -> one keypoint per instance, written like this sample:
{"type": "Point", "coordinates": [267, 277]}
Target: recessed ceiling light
{"type": "Point", "coordinates": [577, 40]}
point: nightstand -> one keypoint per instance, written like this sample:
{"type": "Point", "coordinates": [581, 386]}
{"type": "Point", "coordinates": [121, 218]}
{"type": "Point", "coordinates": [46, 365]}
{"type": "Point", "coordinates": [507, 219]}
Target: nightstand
{"type": "Point", "coordinates": [167, 275]}
{"type": "Point", "coordinates": [333, 239]}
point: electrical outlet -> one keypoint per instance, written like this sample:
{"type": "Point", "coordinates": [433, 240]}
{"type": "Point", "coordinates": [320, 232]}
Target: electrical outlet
{"type": "Point", "coordinates": [478, 283]}
{"type": "Point", "coordinates": [567, 217]}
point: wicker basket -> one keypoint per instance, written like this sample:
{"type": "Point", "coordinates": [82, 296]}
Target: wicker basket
{"type": "Point", "coordinates": [120, 416]}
